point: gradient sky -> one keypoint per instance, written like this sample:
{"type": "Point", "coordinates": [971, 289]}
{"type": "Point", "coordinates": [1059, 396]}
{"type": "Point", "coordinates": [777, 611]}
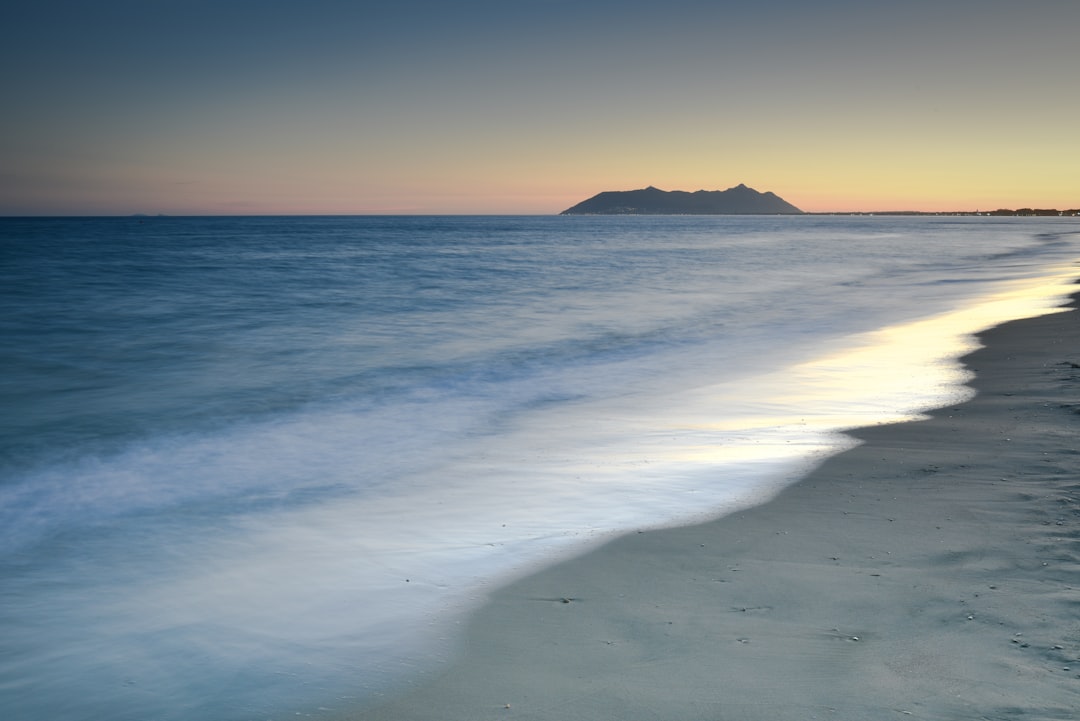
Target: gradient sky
{"type": "Point", "coordinates": [529, 106]}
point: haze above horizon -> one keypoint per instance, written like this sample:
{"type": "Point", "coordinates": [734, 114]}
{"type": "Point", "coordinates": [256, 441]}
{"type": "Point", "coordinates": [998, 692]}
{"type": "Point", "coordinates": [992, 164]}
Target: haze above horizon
{"type": "Point", "coordinates": [238, 107]}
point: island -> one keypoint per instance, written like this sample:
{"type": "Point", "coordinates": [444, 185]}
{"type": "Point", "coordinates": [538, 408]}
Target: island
{"type": "Point", "coordinates": [739, 200]}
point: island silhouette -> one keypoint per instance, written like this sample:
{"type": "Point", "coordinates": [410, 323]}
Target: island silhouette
{"type": "Point", "coordinates": [740, 200]}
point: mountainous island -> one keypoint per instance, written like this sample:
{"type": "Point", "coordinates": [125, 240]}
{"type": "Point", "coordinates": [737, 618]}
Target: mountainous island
{"type": "Point", "coordinates": [739, 200]}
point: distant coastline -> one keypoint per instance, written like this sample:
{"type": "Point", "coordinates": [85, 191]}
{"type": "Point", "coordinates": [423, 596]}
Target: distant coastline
{"type": "Point", "coordinates": [743, 200]}
{"type": "Point", "coordinates": [1001, 212]}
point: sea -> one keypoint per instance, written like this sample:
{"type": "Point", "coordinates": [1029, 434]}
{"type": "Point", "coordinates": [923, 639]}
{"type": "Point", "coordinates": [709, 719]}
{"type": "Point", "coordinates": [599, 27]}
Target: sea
{"type": "Point", "coordinates": [263, 468]}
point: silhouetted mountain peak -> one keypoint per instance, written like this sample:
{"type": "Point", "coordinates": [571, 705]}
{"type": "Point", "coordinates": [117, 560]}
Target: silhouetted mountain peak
{"type": "Point", "coordinates": [740, 200]}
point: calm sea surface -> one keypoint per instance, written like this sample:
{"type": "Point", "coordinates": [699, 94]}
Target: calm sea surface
{"type": "Point", "coordinates": [254, 467]}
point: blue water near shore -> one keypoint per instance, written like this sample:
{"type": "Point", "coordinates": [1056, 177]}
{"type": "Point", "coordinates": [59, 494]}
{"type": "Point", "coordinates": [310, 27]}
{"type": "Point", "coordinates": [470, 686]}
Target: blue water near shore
{"type": "Point", "coordinates": [255, 467]}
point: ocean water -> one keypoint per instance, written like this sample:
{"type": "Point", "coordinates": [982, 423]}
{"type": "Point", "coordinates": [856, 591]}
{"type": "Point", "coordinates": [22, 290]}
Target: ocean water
{"type": "Point", "coordinates": [255, 468]}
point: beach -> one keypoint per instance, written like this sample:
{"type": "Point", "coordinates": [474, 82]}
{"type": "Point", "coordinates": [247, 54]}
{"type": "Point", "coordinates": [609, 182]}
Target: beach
{"type": "Point", "coordinates": [932, 572]}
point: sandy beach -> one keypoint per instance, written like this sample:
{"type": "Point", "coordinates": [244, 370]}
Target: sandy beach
{"type": "Point", "coordinates": [932, 572]}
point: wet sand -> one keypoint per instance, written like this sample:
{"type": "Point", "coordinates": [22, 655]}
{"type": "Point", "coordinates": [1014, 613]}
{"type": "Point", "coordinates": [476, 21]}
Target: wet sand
{"type": "Point", "coordinates": [932, 572]}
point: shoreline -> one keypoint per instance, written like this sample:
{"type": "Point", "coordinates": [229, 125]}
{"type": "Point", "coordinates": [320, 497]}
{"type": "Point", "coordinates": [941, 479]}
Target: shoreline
{"type": "Point", "coordinates": [931, 572]}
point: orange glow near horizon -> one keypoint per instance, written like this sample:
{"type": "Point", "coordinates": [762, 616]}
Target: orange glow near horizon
{"type": "Point", "coordinates": [529, 197]}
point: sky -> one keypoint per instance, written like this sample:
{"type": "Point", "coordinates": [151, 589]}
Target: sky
{"type": "Point", "coordinates": [229, 107]}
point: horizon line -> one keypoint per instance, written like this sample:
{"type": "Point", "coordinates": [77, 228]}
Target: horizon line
{"type": "Point", "coordinates": [998, 212]}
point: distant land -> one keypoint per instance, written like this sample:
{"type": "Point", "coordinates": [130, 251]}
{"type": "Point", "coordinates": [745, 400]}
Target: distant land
{"type": "Point", "coordinates": [739, 200]}
{"type": "Point", "coordinates": [742, 200]}
{"type": "Point", "coordinates": [1000, 212]}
